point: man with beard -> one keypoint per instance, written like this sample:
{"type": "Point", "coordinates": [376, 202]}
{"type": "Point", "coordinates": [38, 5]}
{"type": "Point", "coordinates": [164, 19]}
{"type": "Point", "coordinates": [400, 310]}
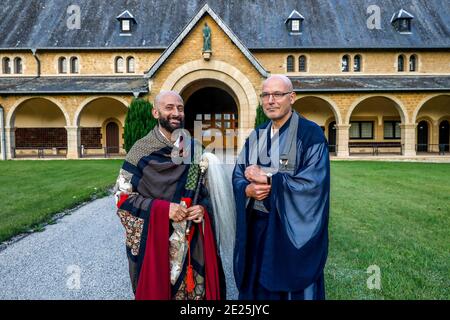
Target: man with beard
{"type": "Point", "coordinates": [168, 258]}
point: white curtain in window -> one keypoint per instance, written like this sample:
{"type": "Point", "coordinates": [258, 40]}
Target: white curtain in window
{"type": "Point", "coordinates": [366, 130]}
{"type": "Point", "coordinates": [388, 130]}
{"type": "Point", "coordinates": [130, 65]}
{"type": "Point", "coordinates": [354, 130]}
{"type": "Point", "coordinates": [119, 65]}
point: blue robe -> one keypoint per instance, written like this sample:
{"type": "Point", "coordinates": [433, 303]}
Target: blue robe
{"type": "Point", "coordinates": [281, 254]}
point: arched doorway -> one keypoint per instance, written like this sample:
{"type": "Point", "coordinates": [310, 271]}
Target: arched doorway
{"type": "Point", "coordinates": [217, 111]}
{"type": "Point", "coordinates": [422, 136]}
{"type": "Point", "coordinates": [444, 136]}
{"type": "Point", "coordinates": [112, 137]}
{"type": "Point", "coordinates": [332, 136]}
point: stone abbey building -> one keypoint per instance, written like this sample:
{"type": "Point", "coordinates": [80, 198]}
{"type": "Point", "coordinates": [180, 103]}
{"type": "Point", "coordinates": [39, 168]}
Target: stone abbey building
{"type": "Point", "coordinates": [375, 75]}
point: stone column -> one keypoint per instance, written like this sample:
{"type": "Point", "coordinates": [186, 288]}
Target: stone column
{"type": "Point", "coordinates": [408, 132]}
{"type": "Point", "coordinates": [73, 142]}
{"type": "Point", "coordinates": [342, 138]}
{"type": "Point", "coordinates": [2, 137]}
{"type": "Point", "coordinates": [10, 142]}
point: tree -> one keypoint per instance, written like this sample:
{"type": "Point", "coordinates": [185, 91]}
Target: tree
{"type": "Point", "coordinates": [260, 116]}
{"type": "Point", "coordinates": [138, 122]}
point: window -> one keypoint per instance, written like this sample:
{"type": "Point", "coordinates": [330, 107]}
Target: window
{"type": "Point", "coordinates": [126, 21]}
{"type": "Point", "coordinates": [125, 25]}
{"type": "Point", "coordinates": [6, 65]}
{"type": "Point", "coordinates": [404, 25]}
{"type": "Point", "coordinates": [295, 26]}
{"type": "Point", "coordinates": [392, 130]}
{"type": "Point", "coordinates": [294, 23]}
{"type": "Point", "coordinates": [413, 63]}
{"type": "Point", "coordinates": [62, 65]}
{"type": "Point", "coordinates": [357, 63]}
{"type": "Point", "coordinates": [361, 130]}
{"type": "Point", "coordinates": [74, 66]}
{"type": "Point", "coordinates": [401, 63]}
{"type": "Point", "coordinates": [401, 20]}
{"type": "Point", "coordinates": [345, 63]}
{"type": "Point", "coordinates": [302, 64]}
{"type": "Point", "coordinates": [290, 64]}
{"type": "Point", "coordinates": [18, 65]}
{"type": "Point", "coordinates": [119, 65]}
{"type": "Point", "coordinates": [130, 65]}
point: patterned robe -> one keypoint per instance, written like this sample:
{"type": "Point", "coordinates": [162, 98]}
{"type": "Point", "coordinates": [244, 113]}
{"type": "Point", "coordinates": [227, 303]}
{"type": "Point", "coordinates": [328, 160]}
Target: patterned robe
{"type": "Point", "coordinates": [149, 174]}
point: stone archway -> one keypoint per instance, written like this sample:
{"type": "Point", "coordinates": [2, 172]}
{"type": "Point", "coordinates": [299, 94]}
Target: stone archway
{"type": "Point", "coordinates": [434, 109]}
{"type": "Point", "coordinates": [395, 102]}
{"type": "Point", "coordinates": [37, 128]}
{"type": "Point", "coordinates": [438, 104]}
{"type": "Point", "coordinates": [91, 121]}
{"type": "Point", "coordinates": [239, 87]}
{"type": "Point", "coordinates": [324, 112]}
{"type": "Point", "coordinates": [2, 134]}
{"type": "Point", "coordinates": [213, 106]}
{"type": "Point", "coordinates": [377, 125]}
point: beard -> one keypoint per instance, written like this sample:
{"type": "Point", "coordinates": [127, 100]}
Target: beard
{"type": "Point", "coordinates": [165, 123]}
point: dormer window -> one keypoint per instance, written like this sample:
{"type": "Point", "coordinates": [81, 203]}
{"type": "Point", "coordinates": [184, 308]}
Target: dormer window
{"type": "Point", "coordinates": [401, 21]}
{"type": "Point", "coordinates": [127, 21]}
{"type": "Point", "coordinates": [294, 23]}
{"type": "Point", "coordinates": [125, 26]}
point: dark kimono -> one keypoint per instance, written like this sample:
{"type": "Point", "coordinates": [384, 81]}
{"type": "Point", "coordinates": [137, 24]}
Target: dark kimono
{"type": "Point", "coordinates": [282, 242]}
{"type": "Point", "coordinates": [157, 250]}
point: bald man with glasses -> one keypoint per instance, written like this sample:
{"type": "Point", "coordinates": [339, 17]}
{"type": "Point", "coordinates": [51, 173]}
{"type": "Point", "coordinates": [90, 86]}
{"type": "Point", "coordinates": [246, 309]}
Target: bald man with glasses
{"type": "Point", "coordinates": [281, 186]}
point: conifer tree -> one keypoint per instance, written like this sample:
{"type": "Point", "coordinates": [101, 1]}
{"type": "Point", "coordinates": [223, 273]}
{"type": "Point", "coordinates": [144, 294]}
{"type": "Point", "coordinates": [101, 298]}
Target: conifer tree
{"type": "Point", "coordinates": [138, 122]}
{"type": "Point", "coordinates": [260, 116]}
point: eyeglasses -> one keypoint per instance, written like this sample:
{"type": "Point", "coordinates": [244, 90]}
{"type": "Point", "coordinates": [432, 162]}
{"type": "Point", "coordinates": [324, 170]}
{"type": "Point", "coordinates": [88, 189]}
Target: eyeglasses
{"type": "Point", "coordinates": [275, 95]}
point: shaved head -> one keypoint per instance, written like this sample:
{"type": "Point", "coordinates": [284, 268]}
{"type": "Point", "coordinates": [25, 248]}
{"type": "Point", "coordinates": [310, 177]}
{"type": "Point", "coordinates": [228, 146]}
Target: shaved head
{"type": "Point", "coordinates": [169, 110]}
{"type": "Point", "coordinates": [280, 78]}
{"type": "Point", "coordinates": [163, 94]}
{"type": "Point", "coordinates": [277, 98]}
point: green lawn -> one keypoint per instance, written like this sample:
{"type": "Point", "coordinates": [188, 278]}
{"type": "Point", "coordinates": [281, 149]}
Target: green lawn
{"type": "Point", "coordinates": [392, 215]}
{"type": "Point", "coordinates": [32, 191]}
{"type": "Point", "coordinates": [395, 216]}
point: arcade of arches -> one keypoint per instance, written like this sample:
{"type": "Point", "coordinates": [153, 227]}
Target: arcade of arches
{"type": "Point", "coordinates": [378, 124]}
{"type": "Point", "coordinates": [45, 127]}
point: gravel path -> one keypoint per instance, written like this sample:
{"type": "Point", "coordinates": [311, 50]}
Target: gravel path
{"type": "Point", "coordinates": [80, 257]}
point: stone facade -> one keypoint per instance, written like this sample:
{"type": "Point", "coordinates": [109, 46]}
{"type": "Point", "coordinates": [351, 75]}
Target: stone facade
{"type": "Point", "coordinates": [85, 116]}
